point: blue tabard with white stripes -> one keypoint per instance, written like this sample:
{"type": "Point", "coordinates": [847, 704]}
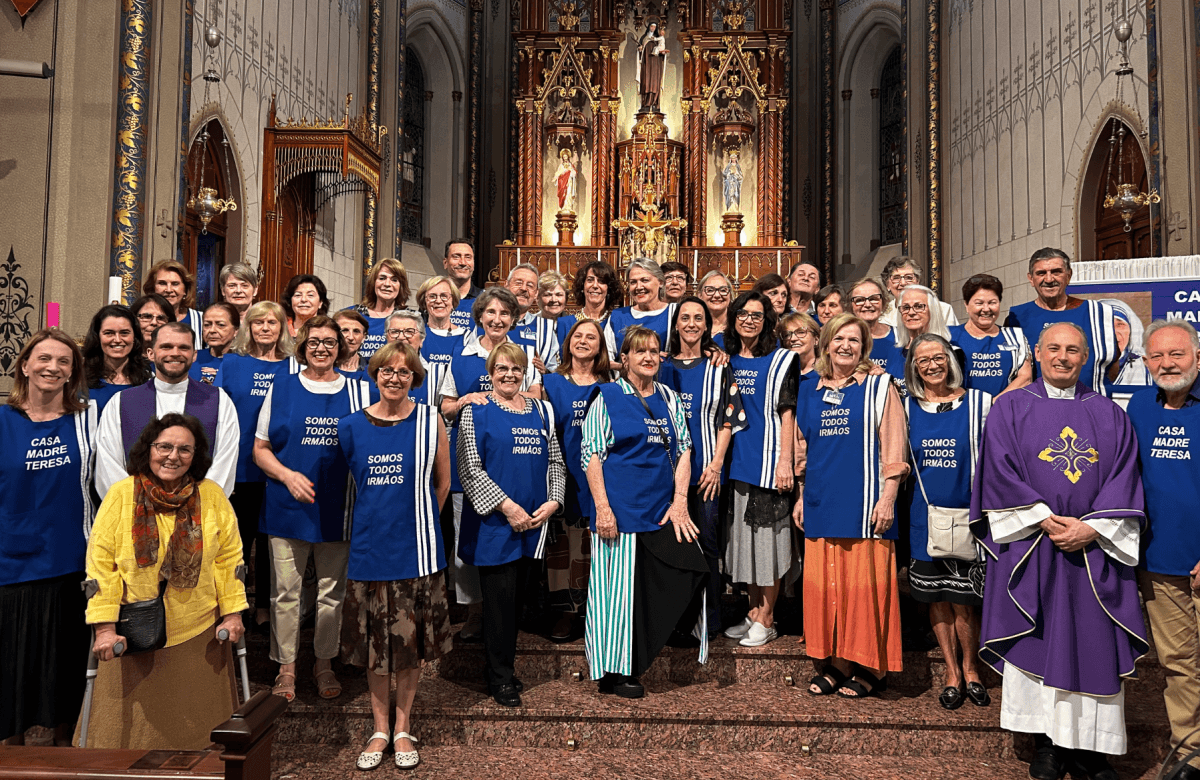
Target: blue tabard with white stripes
{"type": "Point", "coordinates": [637, 473]}
{"type": "Point", "coordinates": [395, 533]}
{"type": "Point", "coordinates": [756, 450]}
{"type": "Point", "coordinates": [699, 387]}
{"type": "Point", "coordinates": [844, 478]}
{"type": "Point", "coordinates": [304, 437]}
{"type": "Point", "coordinates": [515, 452]}
{"type": "Point", "coordinates": [889, 357]}
{"type": "Point", "coordinates": [461, 316]}
{"type": "Point", "coordinates": [246, 380]}
{"type": "Point", "coordinates": [1096, 320]}
{"type": "Point", "coordinates": [439, 346]}
{"type": "Point", "coordinates": [427, 392]}
{"type": "Point", "coordinates": [46, 509]}
{"type": "Point", "coordinates": [623, 318]}
{"type": "Point", "coordinates": [992, 361]}
{"type": "Point", "coordinates": [945, 447]}
{"type": "Point", "coordinates": [570, 403]}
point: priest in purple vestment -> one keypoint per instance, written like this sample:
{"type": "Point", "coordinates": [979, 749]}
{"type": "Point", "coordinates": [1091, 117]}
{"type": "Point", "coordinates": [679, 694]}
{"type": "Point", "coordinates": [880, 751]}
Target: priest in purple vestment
{"type": "Point", "coordinates": [1058, 504]}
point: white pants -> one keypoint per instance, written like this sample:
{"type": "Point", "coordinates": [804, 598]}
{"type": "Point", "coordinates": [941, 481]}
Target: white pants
{"type": "Point", "coordinates": [1071, 720]}
{"type": "Point", "coordinates": [466, 576]}
{"type": "Point", "coordinates": [289, 557]}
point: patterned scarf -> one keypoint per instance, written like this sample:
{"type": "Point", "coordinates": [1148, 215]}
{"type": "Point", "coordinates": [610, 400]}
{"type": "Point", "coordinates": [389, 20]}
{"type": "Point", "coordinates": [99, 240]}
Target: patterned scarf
{"type": "Point", "coordinates": [185, 549]}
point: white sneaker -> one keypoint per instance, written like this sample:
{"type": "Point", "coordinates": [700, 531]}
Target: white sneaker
{"type": "Point", "coordinates": [758, 635]}
{"type": "Point", "coordinates": [738, 631]}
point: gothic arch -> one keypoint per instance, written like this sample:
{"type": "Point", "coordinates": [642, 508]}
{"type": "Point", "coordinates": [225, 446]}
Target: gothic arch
{"type": "Point", "coordinates": [870, 42]}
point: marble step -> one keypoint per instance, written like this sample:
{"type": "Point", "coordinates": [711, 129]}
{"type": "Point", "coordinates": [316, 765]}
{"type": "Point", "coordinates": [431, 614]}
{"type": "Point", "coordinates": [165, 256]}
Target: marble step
{"type": "Point", "coordinates": [326, 762]}
{"type": "Point", "coordinates": [706, 716]}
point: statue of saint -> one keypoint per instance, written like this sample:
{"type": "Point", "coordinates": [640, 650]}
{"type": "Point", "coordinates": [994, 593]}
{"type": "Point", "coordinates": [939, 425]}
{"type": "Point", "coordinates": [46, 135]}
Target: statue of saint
{"type": "Point", "coordinates": [566, 180]}
{"type": "Point", "coordinates": [731, 185]}
{"type": "Point", "coordinates": [651, 59]}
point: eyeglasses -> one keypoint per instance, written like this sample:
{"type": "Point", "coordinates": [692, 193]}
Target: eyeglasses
{"type": "Point", "coordinates": [677, 277]}
{"type": "Point", "coordinates": [752, 316]}
{"type": "Point", "coordinates": [796, 335]}
{"type": "Point", "coordinates": [906, 278]}
{"type": "Point", "coordinates": [402, 333]}
{"type": "Point", "coordinates": [387, 372]}
{"type": "Point", "coordinates": [913, 308]}
{"type": "Point", "coordinates": [165, 449]}
{"type": "Point", "coordinates": [326, 343]}
{"type": "Point", "coordinates": [715, 292]}
{"type": "Point", "coordinates": [934, 360]}
{"type": "Point", "coordinates": [859, 300]}
{"type": "Point", "coordinates": [439, 297]}
{"type": "Point", "coordinates": [508, 370]}
{"type": "Point", "coordinates": [151, 318]}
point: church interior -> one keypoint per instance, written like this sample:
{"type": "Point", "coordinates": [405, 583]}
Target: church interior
{"type": "Point", "coordinates": [319, 136]}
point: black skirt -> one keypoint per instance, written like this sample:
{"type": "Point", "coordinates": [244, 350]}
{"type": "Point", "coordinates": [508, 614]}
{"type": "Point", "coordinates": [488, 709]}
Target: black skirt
{"type": "Point", "coordinates": [947, 579]}
{"type": "Point", "coordinates": [668, 588]}
{"type": "Point", "coordinates": [44, 645]}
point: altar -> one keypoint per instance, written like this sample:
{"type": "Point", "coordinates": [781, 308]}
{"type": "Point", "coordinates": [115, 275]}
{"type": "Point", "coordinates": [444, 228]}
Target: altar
{"type": "Point", "coordinates": [652, 128]}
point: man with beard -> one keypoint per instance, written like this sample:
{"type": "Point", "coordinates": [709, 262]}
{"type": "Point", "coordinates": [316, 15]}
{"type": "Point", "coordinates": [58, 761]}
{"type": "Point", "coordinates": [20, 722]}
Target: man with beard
{"type": "Point", "coordinates": [172, 350]}
{"type": "Point", "coordinates": [1167, 419]}
{"type": "Point", "coordinates": [459, 263]}
{"type": "Point", "coordinates": [1050, 274]}
{"type": "Point", "coordinates": [1058, 504]}
{"type": "Point", "coordinates": [523, 283]}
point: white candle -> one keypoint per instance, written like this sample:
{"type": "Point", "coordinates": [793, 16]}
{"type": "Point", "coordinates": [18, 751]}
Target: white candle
{"type": "Point", "coordinates": [114, 289]}
{"type": "Point", "coordinates": [518, 255]}
{"type": "Point", "coordinates": [597, 255]}
{"type": "Point", "coordinates": [778, 260]}
{"type": "Point", "coordinates": [696, 264]}
{"type": "Point", "coordinates": [556, 258]}
{"type": "Point", "coordinates": [737, 269]}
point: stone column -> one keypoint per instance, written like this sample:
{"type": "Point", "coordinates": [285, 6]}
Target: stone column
{"type": "Point", "coordinates": [133, 103]}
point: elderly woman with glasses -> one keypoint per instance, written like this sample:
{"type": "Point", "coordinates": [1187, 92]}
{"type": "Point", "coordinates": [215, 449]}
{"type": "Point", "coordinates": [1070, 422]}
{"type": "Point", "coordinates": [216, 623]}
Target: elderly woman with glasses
{"type": "Point", "coordinates": [305, 509]}
{"type": "Point", "coordinates": [678, 281]}
{"type": "Point", "coordinates": [899, 273]}
{"type": "Point", "coordinates": [513, 475]}
{"type": "Point", "coordinates": [759, 539]}
{"type": "Point", "coordinates": [945, 426]}
{"type": "Point", "coordinates": [998, 359]}
{"type": "Point", "coordinates": [868, 300]}
{"type": "Point", "coordinates": [407, 327]}
{"type": "Point", "coordinates": [645, 281]}
{"type": "Point", "coordinates": [717, 293]}
{"type": "Point", "coordinates": [799, 332]}
{"type": "Point", "coordinates": [852, 423]}
{"type": "Point", "coordinates": [437, 298]}
{"type": "Point", "coordinates": [920, 314]}
{"type": "Point", "coordinates": [152, 312]}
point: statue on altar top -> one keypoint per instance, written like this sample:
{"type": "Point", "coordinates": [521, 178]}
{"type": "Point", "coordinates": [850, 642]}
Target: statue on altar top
{"type": "Point", "coordinates": [566, 180]}
{"type": "Point", "coordinates": [731, 186]}
{"type": "Point", "coordinates": [651, 61]}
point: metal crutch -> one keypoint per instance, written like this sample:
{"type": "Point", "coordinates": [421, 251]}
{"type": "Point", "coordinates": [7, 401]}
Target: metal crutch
{"type": "Point", "coordinates": [91, 588]}
{"type": "Point", "coordinates": [240, 647]}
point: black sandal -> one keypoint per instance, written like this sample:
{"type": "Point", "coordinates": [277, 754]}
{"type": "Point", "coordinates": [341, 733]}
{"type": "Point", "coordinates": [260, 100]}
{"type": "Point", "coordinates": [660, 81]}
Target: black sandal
{"type": "Point", "coordinates": [951, 698]}
{"type": "Point", "coordinates": [978, 695]}
{"type": "Point", "coordinates": [822, 681]}
{"type": "Point", "coordinates": [856, 685]}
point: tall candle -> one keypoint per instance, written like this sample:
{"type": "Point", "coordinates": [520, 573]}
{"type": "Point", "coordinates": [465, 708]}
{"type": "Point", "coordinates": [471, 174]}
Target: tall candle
{"type": "Point", "coordinates": [737, 269]}
{"type": "Point", "coordinates": [556, 258]}
{"type": "Point", "coordinates": [51, 314]}
{"type": "Point", "coordinates": [778, 261]}
{"type": "Point", "coordinates": [114, 290]}
{"type": "Point", "coordinates": [696, 264]}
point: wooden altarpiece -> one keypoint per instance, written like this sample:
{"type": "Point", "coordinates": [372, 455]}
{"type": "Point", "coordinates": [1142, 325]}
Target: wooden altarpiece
{"type": "Point", "coordinates": [731, 92]}
{"type": "Point", "coordinates": [305, 165]}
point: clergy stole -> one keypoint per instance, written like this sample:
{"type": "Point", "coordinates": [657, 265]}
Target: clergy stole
{"type": "Point", "coordinates": [1070, 618]}
{"type": "Point", "coordinates": [140, 404]}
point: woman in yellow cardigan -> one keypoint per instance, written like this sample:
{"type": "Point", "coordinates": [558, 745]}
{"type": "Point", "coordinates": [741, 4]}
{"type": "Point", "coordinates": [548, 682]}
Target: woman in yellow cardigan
{"type": "Point", "coordinates": [166, 522]}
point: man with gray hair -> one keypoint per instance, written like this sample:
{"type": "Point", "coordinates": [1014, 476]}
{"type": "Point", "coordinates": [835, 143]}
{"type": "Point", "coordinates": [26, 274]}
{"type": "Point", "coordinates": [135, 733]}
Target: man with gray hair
{"type": "Point", "coordinates": [1050, 275]}
{"type": "Point", "coordinates": [523, 283]}
{"type": "Point", "coordinates": [1058, 506]}
{"type": "Point", "coordinates": [1166, 419]}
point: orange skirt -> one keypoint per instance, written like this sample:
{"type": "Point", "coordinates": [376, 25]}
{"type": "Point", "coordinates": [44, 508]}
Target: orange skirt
{"type": "Point", "coordinates": [851, 602]}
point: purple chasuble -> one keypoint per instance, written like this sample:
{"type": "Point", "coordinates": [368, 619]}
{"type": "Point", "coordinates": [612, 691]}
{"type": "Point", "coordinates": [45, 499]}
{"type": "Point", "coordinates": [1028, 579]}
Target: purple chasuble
{"type": "Point", "coordinates": [140, 404]}
{"type": "Point", "coordinates": [1072, 619]}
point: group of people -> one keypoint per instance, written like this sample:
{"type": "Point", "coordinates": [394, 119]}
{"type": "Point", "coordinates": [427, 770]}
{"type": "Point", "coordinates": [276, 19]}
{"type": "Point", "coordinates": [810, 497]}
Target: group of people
{"type": "Point", "coordinates": [624, 465]}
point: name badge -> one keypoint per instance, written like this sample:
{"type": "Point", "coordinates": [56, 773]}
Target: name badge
{"type": "Point", "coordinates": [1007, 347]}
{"type": "Point", "coordinates": [833, 396]}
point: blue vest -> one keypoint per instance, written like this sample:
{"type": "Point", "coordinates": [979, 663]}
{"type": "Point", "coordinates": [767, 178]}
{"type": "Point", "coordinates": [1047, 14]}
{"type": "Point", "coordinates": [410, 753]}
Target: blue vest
{"type": "Point", "coordinates": [992, 361]}
{"type": "Point", "coordinates": [756, 449]}
{"type": "Point", "coordinates": [427, 393]}
{"type": "Point", "coordinates": [204, 359]}
{"type": "Point", "coordinates": [439, 347]}
{"type": "Point", "coordinates": [395, 533]}
{"type": "Point", "coordinates": [523, 334]}
{"type": "Point", "coordinates": [376, 336]}
{"type": "Point", "coordinates": [889, 357]}
{"type": "Point", "coordinates": [1171, 478]}
{"type": "Point", "coordinates": [104, 393]}
{"type": "Point", "coordinates": [304, 436]}
{"type": "Point", "coordinates": [945, 448]}
{"type": "Point", "coordinates": [461, 316]}
{"type": "Point", "coordinates": [515, 453]}
{"type": "Point", "coordinates": [562, 326]}
{"type": "Point", "coordinates": [623, 318]}
{"type": "Point", "coordinates": [570, 403]}
{"type": "Point", "coordinates": [1094, 317]}
{"type": "Point", "coordinates": [140, 404]}
{"type": "Point", "coordinates": [547, 344]}
{"type": "Point", "coordinates": [246, 380]}
{"type": "Point", "coordinates": [840, 494]}
{"type": "Point", "coordinates": [195, 320]}
{"type": "Point", "coordinates": [700, 388]}
{"type": "Point", "coordinates": [638, 476]}
{"type": "Point", "coordinates": [46, 508]}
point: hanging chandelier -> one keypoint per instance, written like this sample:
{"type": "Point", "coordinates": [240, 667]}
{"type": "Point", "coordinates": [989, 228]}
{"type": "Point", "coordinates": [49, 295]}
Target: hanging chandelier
{"type": "Point", "coordinates": [1125, 197]}
{"type": "Point", "coordinates": [206, 201]}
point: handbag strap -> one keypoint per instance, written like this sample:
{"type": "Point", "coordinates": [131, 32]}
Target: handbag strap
{"type": "Point", "coordinates": [661, 431]}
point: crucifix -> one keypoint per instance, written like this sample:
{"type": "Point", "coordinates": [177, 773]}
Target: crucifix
{"type": "Point", "coordinates": [652, 235]}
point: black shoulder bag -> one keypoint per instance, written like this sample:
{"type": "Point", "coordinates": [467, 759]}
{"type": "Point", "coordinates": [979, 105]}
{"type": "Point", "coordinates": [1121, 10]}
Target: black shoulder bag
{"type": "Point", "coordinates": [144, 624]}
